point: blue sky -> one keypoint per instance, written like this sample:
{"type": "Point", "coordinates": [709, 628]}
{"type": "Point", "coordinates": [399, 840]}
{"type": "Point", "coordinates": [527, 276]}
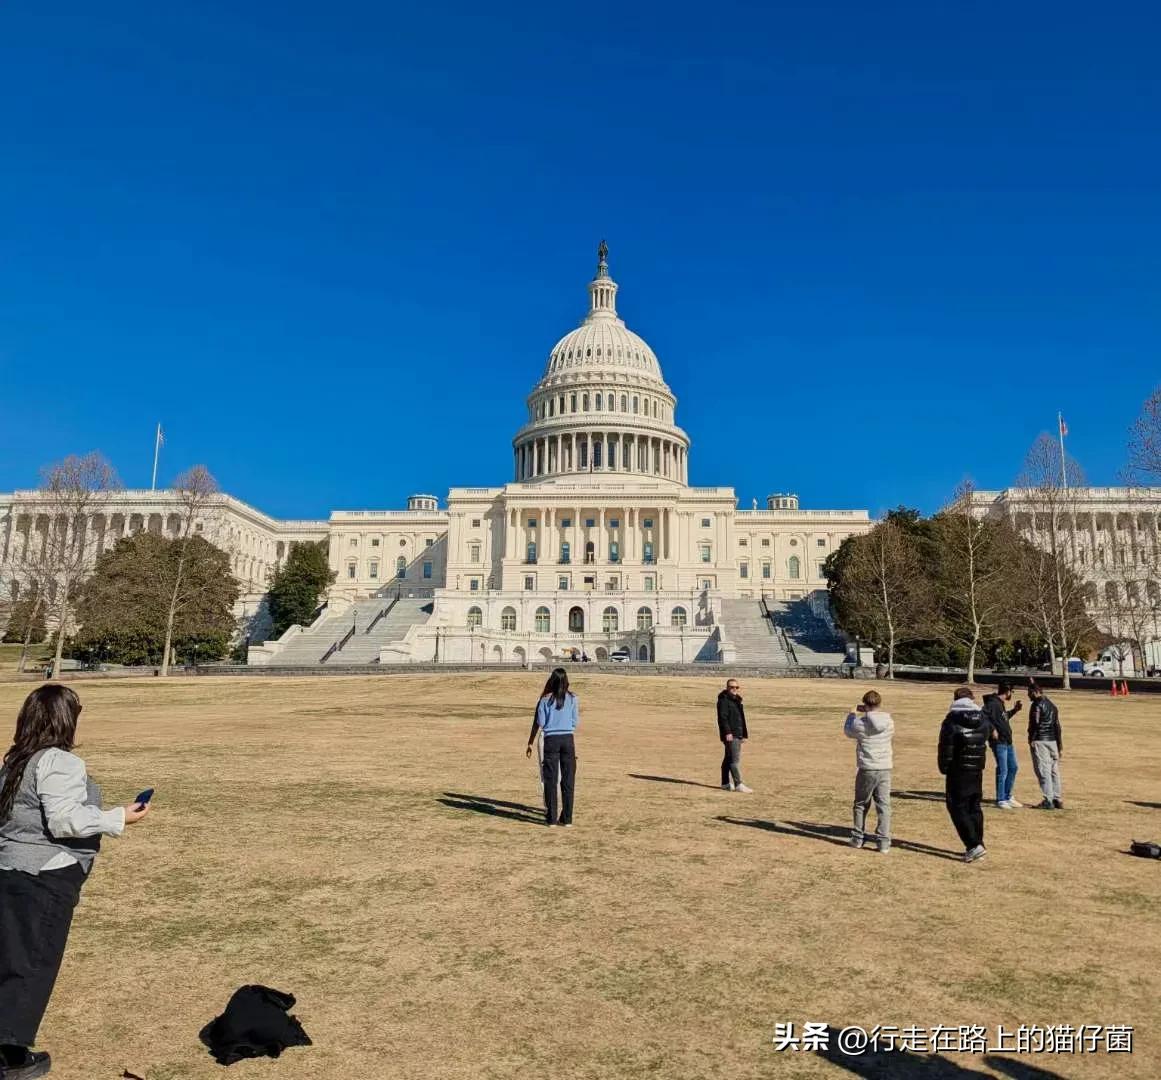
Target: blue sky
{"type": "Point", "coordinates": [875, 246]}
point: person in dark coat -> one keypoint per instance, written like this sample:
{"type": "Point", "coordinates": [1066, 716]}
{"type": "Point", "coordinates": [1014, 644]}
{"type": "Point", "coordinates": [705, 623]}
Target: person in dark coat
{"type": "Point", "coordinates": [1000, 717]}
{"type": "Point", "coordinates": [963, 754]}
{"type": "Point", "coordinates": [733, 732]}
{"type": "Point", "coordinates": [1047, 746]}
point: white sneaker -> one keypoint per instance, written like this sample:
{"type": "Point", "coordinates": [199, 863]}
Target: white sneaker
{"type": "Point", "coordinates": [744, 790]}
{"type": "Point", "coordinates": [1013, 805]}
{"type": "Point", "coordinates": [1005, 805]}
{"type": "Point", "coordinates": [727, 787]}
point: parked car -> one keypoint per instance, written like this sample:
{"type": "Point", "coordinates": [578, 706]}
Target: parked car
{"type": "Point", "coordinates": [621, 655]}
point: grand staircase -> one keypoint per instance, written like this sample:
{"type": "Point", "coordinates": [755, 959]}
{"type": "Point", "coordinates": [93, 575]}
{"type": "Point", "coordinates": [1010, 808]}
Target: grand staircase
{"type": "Point", "coordinates": [376, 622]}
{"type": "Point", "coordinates": [814, 640]}
{"type": "Point", "coordinates": [754, 636]}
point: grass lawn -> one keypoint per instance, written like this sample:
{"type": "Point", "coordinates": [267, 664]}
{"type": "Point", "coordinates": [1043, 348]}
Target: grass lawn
{"type": "Point", "coordinates": [374, 846]}
{"type": "Point", "coordinates": [10, 657]}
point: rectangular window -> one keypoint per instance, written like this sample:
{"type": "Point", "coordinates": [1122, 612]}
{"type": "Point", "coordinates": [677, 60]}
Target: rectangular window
{"type": "Point", "coordinates": [590, 523]}
{"type": "Point", "coordinates": [743, 542]}
{"type": "Point", "coordinates": [649, 523]}
{"type": "Point", "coordinates": [354, 541]}
{"type": "Point", "coordinates": [822, 543]}
{"type": "Point", "coordinates": [572, 402]}
{"type": "Point", "coordinates": [475, 523]}
{"type": "Point", "coordinates": [707, 583]}
{"type": "Point", "coordinates": [706, 552]}
{"type": "Point", "coordinates": [428, 542]}
{"type": "Point", "coordinates": [566, 523]}
{"type": "Point", "coordinates": [705, 523]}
{"type": "Point", "coordinates": [562, 584]}
{"type": "Point", "coordinates": [374, 569]}
{"type": "Point", "coordinates": [375, 542]}
{"type": "Point", "coordinates": [648, 551]}
{"type": "Point", "coordinates": [614, 551]}
{"type": "Point", "coordinates": [427, 569]}
{"type": "Point", "coordinates": [744, 570]}
{"type": "Point", "coordinates": [648, 582]}
{"type": "Point", "coordinates": [590, 582]}
{"type": "Point", "coordinates": [350, 570]}
{"type": "Point", "coordinates": [475, 553]}
{"type": "Point", "coordinates": [474, 584]}
{"type": "Point", "coordinates": [614, 523]}
{"type": "Point", "coordinates": [821, 571]}
{"type": "Point", "coordinates": [529, 583]}
{"type": "Point", "coordinates": [766, 570]}
{"type": "Point", "coordinates": [765, 541]}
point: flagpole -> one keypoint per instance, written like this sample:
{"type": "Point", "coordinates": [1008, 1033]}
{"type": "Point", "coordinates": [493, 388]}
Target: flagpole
{"type": "Point", "coordinates": [1063, 462]}
{"type": "Point", "coordinates": [156, 451]}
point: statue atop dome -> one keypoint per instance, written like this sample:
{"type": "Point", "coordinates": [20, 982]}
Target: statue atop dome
{"type": "Point", "coordinates": [603, 260]}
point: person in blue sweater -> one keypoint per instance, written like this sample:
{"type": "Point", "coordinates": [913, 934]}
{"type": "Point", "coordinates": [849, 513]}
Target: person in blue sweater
{"type": "Point", "coordinates": [557, 715]}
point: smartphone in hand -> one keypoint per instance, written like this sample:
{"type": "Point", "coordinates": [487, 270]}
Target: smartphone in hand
{"type": "Point", "coordinates": [142, 800]}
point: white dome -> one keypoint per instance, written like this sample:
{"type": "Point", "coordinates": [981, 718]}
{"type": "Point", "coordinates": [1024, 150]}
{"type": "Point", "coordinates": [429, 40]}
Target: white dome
{"type": "Point", "coordinates": [602, 340]}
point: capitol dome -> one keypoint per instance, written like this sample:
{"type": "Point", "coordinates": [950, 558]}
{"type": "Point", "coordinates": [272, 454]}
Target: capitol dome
{"type": "Point", "coordinates": [602, 339]}
{"type": "Point", "coordinates": [602, 404]}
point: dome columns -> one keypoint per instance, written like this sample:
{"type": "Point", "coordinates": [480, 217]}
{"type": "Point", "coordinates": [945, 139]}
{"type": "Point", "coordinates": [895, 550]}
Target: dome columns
{"type": "Point", "coordinates": [596, 450]}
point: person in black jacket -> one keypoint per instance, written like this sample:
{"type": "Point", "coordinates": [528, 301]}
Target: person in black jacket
{"type": "Point", "coordinates": [733, 732]}
{"type": "Point", "coordinates": [1046, 745]}
{"type": "Point", "coordinates": [999, 716]}
{"type": "Point", "coordinates": [963, 753]}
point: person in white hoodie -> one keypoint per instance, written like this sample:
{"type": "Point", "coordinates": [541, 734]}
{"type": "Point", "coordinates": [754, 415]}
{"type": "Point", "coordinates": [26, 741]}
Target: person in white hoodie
{"type": "Point", "coordinates": [873, 731]}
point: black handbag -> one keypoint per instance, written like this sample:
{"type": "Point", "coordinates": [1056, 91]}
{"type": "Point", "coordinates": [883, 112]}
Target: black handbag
{"type": "Point", "coordinates": [1146, 849]}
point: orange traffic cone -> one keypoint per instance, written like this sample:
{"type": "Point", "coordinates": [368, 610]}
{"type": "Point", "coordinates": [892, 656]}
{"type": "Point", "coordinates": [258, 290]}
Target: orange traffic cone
{"type": "Point", "coordinates": [1113, 691]}
{"type": "Point", "coordinates": [1125, 688]}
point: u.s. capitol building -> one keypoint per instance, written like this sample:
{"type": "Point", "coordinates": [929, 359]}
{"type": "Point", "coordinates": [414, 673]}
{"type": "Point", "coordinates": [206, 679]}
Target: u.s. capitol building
{"type": "Point", "coordinates": [597, 543]}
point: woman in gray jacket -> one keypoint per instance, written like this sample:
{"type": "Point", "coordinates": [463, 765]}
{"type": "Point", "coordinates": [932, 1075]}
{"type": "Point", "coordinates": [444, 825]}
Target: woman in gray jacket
{"type": "Point", "coordinates": [51, 823]}
{"type": "Point", "coordinates": [873, 730]}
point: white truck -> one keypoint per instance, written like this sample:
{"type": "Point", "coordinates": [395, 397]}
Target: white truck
{"type": "Point", "coordinates": [1114, 662]}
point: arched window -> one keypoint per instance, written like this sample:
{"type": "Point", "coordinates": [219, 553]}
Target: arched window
{"type": "Point", "coordinates": [597, 402]}
{"type": "Point", "coordinates": [614, 551]}
{"type": "Point", "coordinates": [609, 620]}
{"type": "Point", "coordinates": [584, 403]}
{"type": "Point", "coordinates": [636, 404]}
{"type": "Point", "coordinates": [648, 551]}
{"type": "Point", "coordinates": [543, 620]}
{"type": "Point", "coordinates": [644, 618]}
{"type": "Point", "coordinates": [794, 568]}
{"type": "Point", "coordinates": [475, 616]}
{"type": "Point", "coordinates": [401, 567]}
{"type": "Point", "coordinates": [612, 403]}
{"type": "Point", "coordinates": [565, 552]}
{"type": "Point", "coordinates": [624, 403]}
{"type": "Point", "coordinates": [508, 619]}
{"type": "Point", "coordinates": [576, 620]}
{"type": "Point", "coordinates": [590, 552]}
{"type": "Point", "coordinates": [655, 410]}
{"type": "Point", "coordinates": [531, 552]}
{"type": "Point", "coordinates": [678, 617]}
{"type": "Point", "coordinates": [551, 407]}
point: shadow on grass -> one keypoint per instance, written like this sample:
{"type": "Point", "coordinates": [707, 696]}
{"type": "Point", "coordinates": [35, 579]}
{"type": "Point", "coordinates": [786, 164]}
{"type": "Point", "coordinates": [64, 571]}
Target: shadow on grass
{"type": "Point", "coordinates": [925, 796]}
{"type": "Point", "coordinates": [673, 780]}
{"type": "Point", "coordinates": [905, 1064]}
{"type": "Point", "coordinates": [481, 804]}
{"type": "Point", "coordinates": [839, 835]}
{"type": "Point", "coordinates": [1146, 805]}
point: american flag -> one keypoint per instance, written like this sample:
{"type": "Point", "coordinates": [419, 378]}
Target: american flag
{"type": "Point", "coordinates": [1063, 426]}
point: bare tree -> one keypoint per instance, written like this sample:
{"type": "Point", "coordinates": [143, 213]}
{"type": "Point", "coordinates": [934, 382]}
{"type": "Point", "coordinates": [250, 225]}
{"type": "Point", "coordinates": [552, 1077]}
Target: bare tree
{"type": "Point", "coordinates": [1055, 580]}
{"type": "Point", "coordinates": [71, 492]}
{"type": "Point", "coordinates": [976, 562]}
{"type": "Point", "coordinates": [886, 593]}
{"type": "Point", "coordinates": [1145, 441]}
{"type": "Point", "coordinates": [197, 491]}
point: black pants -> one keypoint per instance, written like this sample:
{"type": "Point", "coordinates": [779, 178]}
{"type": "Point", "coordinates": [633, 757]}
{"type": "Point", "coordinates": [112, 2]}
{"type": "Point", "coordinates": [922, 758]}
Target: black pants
{"type": "Point", "coordinates": [36, 911]}
{"type": "Point", "coordinates": [559, 754]}
{"type": "Point", "coordinates": [732, 761]}
{"type": "Point", "coordinates": [964, 791]}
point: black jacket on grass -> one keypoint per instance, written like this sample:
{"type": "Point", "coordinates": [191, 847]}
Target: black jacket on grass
{"type": "Point", "coordinates": [731, 717]}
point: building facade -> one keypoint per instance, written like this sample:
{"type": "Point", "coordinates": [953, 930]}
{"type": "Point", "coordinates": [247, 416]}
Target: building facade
{"type": "Point", "coordinates": [597, 542]}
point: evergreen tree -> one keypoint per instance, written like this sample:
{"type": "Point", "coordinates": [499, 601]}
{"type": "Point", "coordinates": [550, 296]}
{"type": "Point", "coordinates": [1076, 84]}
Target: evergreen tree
{"type": "Point", "coordinates": [298, 585]}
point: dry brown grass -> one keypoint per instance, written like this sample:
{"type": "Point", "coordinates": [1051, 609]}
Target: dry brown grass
{"type": "Point", "coordinates": [331, 837]}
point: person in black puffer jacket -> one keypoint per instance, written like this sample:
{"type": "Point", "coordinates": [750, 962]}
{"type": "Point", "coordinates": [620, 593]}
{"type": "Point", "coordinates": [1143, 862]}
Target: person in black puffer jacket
{"type": "Point", "coordinates": [963, 754]}
{"type": "Point", "coordinates": [733, 732]}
